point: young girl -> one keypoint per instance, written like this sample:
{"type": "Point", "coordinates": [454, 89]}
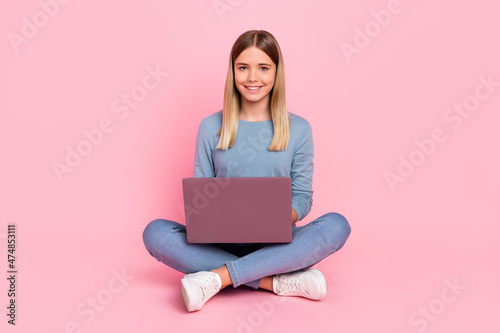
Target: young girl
{"type": "Point", "coordinates": [254, 135]}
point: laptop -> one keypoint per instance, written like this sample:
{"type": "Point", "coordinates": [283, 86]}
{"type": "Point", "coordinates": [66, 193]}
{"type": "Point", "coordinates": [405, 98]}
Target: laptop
{"type": "Point", "coordinates": [238, 209]}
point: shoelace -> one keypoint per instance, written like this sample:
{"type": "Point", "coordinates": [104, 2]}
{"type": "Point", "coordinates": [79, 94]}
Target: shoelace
{"type": "Point", "coordinates": [289, 286]}
{"type": "Point", "coordinates": [209, 288]}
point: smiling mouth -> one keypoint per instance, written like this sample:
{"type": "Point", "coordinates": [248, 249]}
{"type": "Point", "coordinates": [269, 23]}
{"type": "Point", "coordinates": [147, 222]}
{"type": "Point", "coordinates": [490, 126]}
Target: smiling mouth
{"type": "Point", "coordinates": [253, 88]}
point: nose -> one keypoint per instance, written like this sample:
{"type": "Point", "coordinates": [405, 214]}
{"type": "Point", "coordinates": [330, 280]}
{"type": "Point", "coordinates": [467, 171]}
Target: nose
{"type": "Point", "coordinates": [252, 76]}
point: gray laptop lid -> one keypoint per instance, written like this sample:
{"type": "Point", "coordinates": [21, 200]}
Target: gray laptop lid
{"type": "Point", "coordinates": [238, 209]}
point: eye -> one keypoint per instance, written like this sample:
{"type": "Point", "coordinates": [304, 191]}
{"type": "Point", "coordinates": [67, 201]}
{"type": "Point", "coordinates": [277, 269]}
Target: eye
{"type": "Point", "coordinates": [265, 68]}
{"type": "Point", "coordinates": [242, 67]}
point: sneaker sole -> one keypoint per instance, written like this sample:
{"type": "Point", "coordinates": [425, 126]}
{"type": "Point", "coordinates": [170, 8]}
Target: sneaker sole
{"type": "Point", "coordinates": [322, 281]}
{"type": "Point", "coordinates": [185, 295]}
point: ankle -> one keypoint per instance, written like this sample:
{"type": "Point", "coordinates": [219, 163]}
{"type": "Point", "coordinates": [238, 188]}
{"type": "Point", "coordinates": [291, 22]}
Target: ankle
{"type": "Point", "coordinates": [267, 283]}
{"type": "Point", "coordinates": [224, 276]}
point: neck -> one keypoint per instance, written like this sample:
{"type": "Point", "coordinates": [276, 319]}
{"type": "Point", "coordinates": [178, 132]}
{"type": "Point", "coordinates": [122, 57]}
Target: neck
{"type": "Point", "coordinates": [257, 111]}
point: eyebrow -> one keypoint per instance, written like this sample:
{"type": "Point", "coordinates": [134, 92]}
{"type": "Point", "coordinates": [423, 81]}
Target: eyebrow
{"type": "Point", "coordinates": [242, 63]}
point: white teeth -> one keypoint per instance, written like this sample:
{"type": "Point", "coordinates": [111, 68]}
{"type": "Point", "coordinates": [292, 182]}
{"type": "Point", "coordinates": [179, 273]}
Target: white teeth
{"type": "Point", "coordinates": [253, 88]}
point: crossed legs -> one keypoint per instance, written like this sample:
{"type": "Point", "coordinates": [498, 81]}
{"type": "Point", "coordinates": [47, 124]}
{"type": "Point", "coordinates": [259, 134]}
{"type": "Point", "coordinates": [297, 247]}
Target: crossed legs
{"type": "Point", "coordinates": [253, 266]}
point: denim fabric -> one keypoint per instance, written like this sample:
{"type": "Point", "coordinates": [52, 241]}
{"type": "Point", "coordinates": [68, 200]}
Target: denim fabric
{"type": "Point", "coordinates": [166, 241]}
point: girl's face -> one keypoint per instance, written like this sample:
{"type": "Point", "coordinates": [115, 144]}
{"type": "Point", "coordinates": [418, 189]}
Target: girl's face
{"type": "Point", "coordinates": [254, 74]}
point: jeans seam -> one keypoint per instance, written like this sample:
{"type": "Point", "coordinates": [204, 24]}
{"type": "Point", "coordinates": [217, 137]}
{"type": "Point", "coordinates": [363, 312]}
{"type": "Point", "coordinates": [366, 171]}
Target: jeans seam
{"type": "Point", "coordinates": [235, 275]}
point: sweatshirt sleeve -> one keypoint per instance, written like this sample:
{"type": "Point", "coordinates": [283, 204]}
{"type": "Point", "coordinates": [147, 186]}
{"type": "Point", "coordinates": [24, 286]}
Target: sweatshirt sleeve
{"type": "Point", "coordinates": [203, 156]}
{"type": "Point", "coordinates": [301, 173]}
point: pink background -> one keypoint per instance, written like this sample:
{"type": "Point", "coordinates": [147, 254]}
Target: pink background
{"type": "Point", "coordinates": [408, 243]}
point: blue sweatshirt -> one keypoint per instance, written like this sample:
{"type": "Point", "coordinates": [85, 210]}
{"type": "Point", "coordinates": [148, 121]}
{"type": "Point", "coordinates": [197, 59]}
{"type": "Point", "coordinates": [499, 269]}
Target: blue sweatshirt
{"type": "Point", "coordinates": [249, 156]}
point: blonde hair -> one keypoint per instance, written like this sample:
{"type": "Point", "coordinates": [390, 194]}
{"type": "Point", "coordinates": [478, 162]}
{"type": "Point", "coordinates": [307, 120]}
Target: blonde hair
{"type": "Point", "coordinates": [232, 97]}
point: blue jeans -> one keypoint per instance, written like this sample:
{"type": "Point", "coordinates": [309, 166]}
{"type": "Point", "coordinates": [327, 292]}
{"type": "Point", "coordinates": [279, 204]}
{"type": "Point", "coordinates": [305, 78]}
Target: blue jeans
{"type": "Point", "coordinates": [247, 263]}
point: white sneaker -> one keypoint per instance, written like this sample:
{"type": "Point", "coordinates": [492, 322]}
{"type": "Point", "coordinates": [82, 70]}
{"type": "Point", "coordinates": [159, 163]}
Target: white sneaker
{"type": "Point", "coordinates": [197, 288]}
{"type": "Point", "coordinates": [306, 283]}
